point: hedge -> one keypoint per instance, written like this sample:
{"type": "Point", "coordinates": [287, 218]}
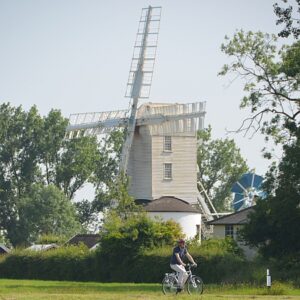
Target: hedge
{"type": "Point", "coordinates": [216, 264]}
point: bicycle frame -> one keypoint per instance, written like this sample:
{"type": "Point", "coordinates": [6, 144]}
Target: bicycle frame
{"type": "Point", "coordinates": [171, 281]}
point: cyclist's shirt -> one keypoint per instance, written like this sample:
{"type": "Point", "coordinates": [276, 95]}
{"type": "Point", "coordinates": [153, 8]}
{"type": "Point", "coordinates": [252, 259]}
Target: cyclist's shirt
{"type": "Point", "coordinates": [181, 251]}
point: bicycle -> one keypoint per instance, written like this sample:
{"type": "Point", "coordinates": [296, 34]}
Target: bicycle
{"type": "Point", "coordinates": [194, 283]}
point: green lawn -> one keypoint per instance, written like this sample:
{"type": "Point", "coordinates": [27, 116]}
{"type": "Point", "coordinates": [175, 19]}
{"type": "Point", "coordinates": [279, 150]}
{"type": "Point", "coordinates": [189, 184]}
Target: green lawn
{"type": "Point", "coordinates": [62, 290]}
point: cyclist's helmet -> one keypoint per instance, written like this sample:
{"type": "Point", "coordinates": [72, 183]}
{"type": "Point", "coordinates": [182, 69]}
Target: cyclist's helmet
{"type": "Point", "coordinates": [181, 241]}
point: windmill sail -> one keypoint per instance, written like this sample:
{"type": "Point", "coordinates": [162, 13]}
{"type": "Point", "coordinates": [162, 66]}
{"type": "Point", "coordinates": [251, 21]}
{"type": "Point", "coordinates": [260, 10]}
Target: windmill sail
{"type": "Point", "coordinates": [245, 190]}
{"type": "Point", "coordinates": [89, 124]}
{"type": "Point", "coordinates": [168, 118]}
{"type": "Point", "coordinates": [141, 70]}
{"type": "Point", "coordinates": [144, 53]}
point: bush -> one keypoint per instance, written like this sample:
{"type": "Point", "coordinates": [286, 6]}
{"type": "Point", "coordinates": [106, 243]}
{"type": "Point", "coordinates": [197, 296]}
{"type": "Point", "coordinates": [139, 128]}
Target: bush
{"type": "Point", "coordinates": [51, 239]}
{"type": "Point", "coordinates": [217, 263]}
{"type": "Point", "coordinates": [122, 238]}
{"type": "Point", "coordinates": [65, 263]}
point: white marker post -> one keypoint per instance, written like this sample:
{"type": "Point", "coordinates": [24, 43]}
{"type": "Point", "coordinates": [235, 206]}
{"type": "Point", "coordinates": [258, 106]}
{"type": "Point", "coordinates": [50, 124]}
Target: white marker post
{"type": "Point", "coordinates": [269, 283]}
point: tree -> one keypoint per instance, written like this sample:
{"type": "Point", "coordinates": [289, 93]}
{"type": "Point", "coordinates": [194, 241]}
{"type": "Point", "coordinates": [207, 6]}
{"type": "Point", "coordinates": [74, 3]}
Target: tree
{"type": "Point", "coordinates": [45, 210]}
{"type": "Point", "coordinates": [285, 16]}
{"type": "Point", "coordinates": [67, 163]}
{"type": "Point", "coordinates": [33, 150]}
{"type": "Point", "coordinates": [271, 85]}
{"type": "Point", "coordinates": [107, 168]}
{"type": "Point", "coordinates": [272, 79]}
{"type": "Point", "coordinates": [127, 230]}
{"type": "Point", "coordinates": [105, 172]}
{"type": "Point", "coordinates": [220, 166]}
{"type": "Point", "coordinates": [19, 135]}
{"type": "Point", "coordinates": [77, 162]}
{"type": "Point", "coordinates": [273, 227]}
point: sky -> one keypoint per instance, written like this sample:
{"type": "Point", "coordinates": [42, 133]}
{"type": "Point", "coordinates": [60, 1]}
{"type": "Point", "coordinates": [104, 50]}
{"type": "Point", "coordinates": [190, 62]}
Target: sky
{"type": "Point", "coordinates": [74, 55]}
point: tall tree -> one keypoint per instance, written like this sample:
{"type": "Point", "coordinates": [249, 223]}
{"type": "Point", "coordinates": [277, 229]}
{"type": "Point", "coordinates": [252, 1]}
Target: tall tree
{"type": "Point", "coordinates": [271, 85]}
{"type": "Point", "coordinates": [33, 150]}
{"type": "Point", "coordinates": [220, 166]}
{"type": "Point", "coordinates": [77, 162]}
{"type": "Point", "coordinates": [19, 133]}
{"type": "Point", "coordinates": [273, 227]}
{"type": "Point", "coordinates": [46, 210]}
{"type": "Point", "coordinates": [272, 92]}
{"type": "Point", "coordinates": [287, 16]}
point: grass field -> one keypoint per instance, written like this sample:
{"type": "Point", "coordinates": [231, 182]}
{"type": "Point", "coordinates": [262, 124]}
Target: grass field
{"type": "Point", "coordinates": [62, 290]}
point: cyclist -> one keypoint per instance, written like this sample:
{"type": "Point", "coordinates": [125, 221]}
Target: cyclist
{"type": "Point", "coordinates": [178, 265]}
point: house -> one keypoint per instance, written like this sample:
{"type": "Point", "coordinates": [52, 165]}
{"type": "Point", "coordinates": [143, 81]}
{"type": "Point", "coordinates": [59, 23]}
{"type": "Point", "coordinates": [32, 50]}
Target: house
{"type": "Point", "coordinates": [90, 240]}
{"type": "Point", "coordinates": [229, 226]}
{"type": "Point", "coordinates": [42, 247]}
{"type": "Point", "coordinates": [4, 249]}
{"type": "Point", "coordinates": [178, 210]}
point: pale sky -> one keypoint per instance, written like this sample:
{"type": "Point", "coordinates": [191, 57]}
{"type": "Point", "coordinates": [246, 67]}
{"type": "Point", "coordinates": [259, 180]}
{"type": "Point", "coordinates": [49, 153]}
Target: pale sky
{"type": "Point", "coordinates": [74, 55]}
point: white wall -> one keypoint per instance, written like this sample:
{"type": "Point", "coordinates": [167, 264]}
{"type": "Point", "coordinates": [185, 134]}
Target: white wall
{"type": "Point", "coordinates": [188, 221]}
{"type": "Point", "coordinates": [184, 167]}
{"type": "Point", "coordinates": [140, 165]}
{"type": "Point", "coordinates": [219, 233]}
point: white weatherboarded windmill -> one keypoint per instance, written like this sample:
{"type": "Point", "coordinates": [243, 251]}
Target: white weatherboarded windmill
{"type": "Point", "coordinates": [159, 153]}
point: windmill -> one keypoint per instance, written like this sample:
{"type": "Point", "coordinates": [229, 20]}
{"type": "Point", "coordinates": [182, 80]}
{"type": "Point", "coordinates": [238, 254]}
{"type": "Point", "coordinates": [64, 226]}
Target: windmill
{"type": "Point", "coordinates": [246, 189]}
{"type": "Point", "coordinates": [159, 152]}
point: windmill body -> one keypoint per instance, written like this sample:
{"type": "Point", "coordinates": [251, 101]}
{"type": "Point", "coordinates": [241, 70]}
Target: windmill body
{"type": "Point", "coordinates": [162, 160]}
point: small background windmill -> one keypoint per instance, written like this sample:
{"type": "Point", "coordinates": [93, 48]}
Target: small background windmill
{"type": "Point", "coordinates": [246, 189]}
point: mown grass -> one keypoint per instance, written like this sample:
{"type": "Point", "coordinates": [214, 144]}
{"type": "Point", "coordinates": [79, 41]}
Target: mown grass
{"type": "Point", "coordinates": [62, 290]}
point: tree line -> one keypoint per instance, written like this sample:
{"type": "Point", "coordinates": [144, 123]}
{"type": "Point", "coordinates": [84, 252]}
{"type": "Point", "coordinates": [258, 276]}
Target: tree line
{"type": "Point", "coordinates": [41, 171]}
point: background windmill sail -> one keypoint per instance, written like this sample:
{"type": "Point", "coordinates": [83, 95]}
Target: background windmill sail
{"type": "Point", "coordinates": [246, 189]}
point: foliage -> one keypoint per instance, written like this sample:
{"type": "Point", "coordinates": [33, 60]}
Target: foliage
{"type": "Point", "coordinates": [214, 247]}
{"type": "Point", "coordinates": [33, 150]}
{"type": "Point", "coordinates": [46, 210]}
{"type": "Point", "coordinates": [274, 224]}
{"type": "Point", "coordinates": [121, 202]}
{"type": "Point", "coordinates": [127, 238]}
{"type": "Point", "coordinates": [105, 172]}
{"type": "Point", "coordinates": [65, 263]}
{"type": "Point", "coordinates": [88, 213]}
{"type": "Point", "coordinates": [107, 166]}
{"type": "Point", "coordinates": [220, 166]}
{"type": "Point", "coordinates": [217, 263]}
{"type": "Point", "coordinates": [127, 230]}
{"type": "Point", "coordinates": [285, 16]}
{"type": "Point", "coordinates": [271, 86]}
{"type": "Point", "coordinates": [77, 163]}
{"type": "Point", "coordinates": [51, 239]}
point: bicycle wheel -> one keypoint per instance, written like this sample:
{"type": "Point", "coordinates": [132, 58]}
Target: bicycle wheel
{"type": "Point", "coordinates": [195, 285]}
{"type": "Point", "coordinates": [169, 285]}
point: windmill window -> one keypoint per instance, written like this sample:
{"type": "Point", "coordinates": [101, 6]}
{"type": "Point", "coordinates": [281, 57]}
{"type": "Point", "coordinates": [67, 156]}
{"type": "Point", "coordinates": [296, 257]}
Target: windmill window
{"type": "Point", "coordinates": [167, 143]}
{"type": "Point", "coordinates": [167, 171]}
{"type": "Point", "coordinates": [229, 231]}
